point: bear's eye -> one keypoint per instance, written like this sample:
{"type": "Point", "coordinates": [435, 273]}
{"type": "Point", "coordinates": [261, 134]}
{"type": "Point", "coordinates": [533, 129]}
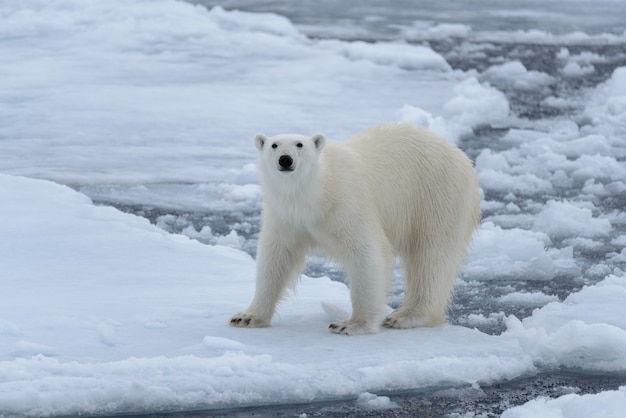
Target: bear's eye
{"type": "Point", "coordinates": [299, 145]}
{"type": "Point", "coordinates": [274, 146]}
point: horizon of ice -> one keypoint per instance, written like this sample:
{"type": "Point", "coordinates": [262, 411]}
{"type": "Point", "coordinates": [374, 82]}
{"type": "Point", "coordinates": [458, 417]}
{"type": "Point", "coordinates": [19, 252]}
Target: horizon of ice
{"type": "Point", "coordinates": [110, 314]}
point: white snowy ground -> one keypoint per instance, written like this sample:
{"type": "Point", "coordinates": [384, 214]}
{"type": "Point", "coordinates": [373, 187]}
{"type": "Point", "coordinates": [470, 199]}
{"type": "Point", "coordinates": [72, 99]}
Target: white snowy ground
{"type": "Point", "coordinates": [156, 102]}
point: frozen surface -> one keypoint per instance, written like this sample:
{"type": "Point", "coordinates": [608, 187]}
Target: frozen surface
{"type": "Point", "coordinates": [135, 321]}
{"type": "Point", "coordinates": [608, 404]}
{"type": "Point", "coordinates": [150, 107]}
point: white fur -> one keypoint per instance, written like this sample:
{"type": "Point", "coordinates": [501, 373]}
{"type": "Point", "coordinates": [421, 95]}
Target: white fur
{"type": "Point", "coordinates": [393, 190]}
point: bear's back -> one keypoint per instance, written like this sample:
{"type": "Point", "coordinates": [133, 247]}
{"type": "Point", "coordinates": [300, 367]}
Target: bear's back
{"type": "Point", "coordinates": [415, 176]}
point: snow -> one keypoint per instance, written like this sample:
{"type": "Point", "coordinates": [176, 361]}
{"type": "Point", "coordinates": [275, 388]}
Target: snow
{"type": "Point", "coordinates": [153, 83]}
{"type": "Point", "coordinates": [608, 404]}
{"type": "Point", "coordinates": [137, 322]}
{"type": "Point", "coordinates": [155, 103]}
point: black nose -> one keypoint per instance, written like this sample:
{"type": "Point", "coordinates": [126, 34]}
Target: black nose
{"type": "Point", "coordinates": [285, 161]}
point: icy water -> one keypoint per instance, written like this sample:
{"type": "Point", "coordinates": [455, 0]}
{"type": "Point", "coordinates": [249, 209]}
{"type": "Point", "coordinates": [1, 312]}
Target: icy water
{"type": "Point", "coordinates": [471, 401]}
{"type": "Point", "coordinates": [484, 300]}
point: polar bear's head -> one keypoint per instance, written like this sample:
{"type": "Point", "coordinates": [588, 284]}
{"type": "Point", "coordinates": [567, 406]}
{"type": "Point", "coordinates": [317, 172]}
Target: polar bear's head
{"type": "Point", "coordinates": [288, 154]}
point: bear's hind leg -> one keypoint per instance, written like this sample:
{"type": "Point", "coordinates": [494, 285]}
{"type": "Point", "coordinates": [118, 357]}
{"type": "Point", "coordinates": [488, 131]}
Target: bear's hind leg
{"type": "Point", "coordinates": [430, 275]}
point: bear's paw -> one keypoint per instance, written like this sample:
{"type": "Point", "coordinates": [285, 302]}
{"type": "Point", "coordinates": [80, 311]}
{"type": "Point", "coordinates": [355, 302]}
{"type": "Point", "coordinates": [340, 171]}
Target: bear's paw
{"type": "Point", "coordinates": [352, 328]}
{"type": "Point", "coordinates": [399, 319]}
{"type": "Point", "coordinates": [248, 320]}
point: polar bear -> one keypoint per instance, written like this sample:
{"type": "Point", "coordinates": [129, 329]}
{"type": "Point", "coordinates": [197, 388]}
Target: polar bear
{"type": "Point", "coordinates": [394, 190]}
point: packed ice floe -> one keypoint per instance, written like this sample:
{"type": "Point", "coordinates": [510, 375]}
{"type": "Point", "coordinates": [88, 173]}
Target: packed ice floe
{"type": "Point", "coordinates": [609, 404]}
{"type": "Point", "coordinates": [103, 312]}
{"type": "Point", "coordinates": [110, 314]}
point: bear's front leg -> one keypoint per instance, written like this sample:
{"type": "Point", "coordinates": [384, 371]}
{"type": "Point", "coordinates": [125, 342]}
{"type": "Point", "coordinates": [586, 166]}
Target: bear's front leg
{"type": "Point", "coordinates": [369, 276]}
{"type": "Point", "coordinates": [280, 258]}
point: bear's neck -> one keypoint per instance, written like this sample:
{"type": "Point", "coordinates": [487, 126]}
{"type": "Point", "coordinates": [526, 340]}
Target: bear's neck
{"type": "Point", "coordinates": [294, 199]}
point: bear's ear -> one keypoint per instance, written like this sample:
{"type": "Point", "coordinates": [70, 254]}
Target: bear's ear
{"type": "Point", "coordinates": [319, 140]}
{"type": "Point", "coordinates": [259, 141]}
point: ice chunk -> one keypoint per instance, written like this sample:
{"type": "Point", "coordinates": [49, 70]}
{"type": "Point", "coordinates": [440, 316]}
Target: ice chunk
{"type": "Point", "coordinates": [582, 332]}
{"type": "Point", "coordinates": [476, 104]}
{"type": "Point", "coordinates": [231, 240]}
{"type": "Point", "coordinates": [607, 106]}
{"type": "Point", "coordinates": [606, 404]}
{"type": "Point", "coordinates": [573, 69]}
{"type": "Point", "coordinates": [370, 401]}
{"type": "Point", "coordinates": [270, 23]}
{"type": "Point", "coordinates": [499, 253]}
{"type": "Point", "coordinates": [527, 298]}
{"type": "Point", "coordinates": [400, 54]}
{"type": "Point", "coordinates": [514, 74]}
{"type": "Point", "coordinates": [423, 118]}
{"type": "Point", "coordinates": [566, 220]}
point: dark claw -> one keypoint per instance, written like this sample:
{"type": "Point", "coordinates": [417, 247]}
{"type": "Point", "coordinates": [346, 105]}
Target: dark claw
{"type": "Point", "coordinates": [246, 322]}
{"type": "Point", "coordinates": [335, 327]}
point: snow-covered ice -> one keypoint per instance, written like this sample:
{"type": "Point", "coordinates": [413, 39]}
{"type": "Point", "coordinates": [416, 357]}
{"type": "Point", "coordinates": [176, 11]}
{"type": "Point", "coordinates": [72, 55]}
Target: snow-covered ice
{"type": "Point", "coordinates": [153, 104]}
{"type": "Point", "coordinates": [608, 404]}
{"type": "Point", "coordinates": [108, 313]}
